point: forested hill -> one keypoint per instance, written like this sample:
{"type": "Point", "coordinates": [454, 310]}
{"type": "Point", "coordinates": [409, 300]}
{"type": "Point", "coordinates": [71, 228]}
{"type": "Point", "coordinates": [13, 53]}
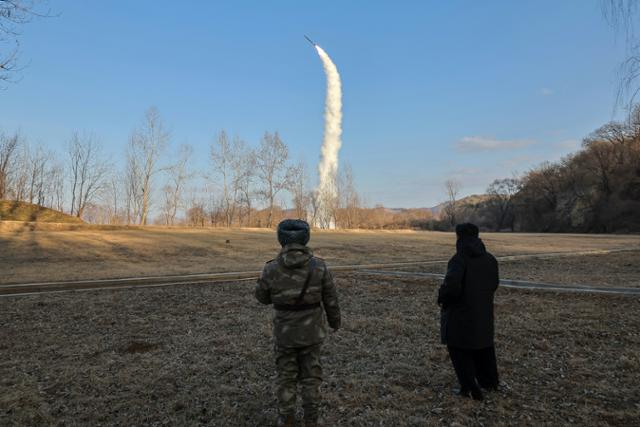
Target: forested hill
{"type": "Point", "coordinates": [596, 189]}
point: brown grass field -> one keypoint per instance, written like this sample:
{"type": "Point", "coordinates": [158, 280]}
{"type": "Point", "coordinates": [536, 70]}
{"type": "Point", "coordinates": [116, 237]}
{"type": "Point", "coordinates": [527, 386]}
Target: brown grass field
{"type": "Point", "coordinates": [96, 253]}
{"type": "Point", "coordinates": [202, 354]}
{"type": "Point", "coordinates": [616, 270]}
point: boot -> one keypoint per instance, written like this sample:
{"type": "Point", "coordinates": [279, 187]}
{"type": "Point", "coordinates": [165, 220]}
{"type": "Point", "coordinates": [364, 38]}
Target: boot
{"type": "Point", "coordinates": [285, 421]}
{"type": "Point", "coordinates": [311, 421]}
{"type": "Point", "coordinates": [474, 393]}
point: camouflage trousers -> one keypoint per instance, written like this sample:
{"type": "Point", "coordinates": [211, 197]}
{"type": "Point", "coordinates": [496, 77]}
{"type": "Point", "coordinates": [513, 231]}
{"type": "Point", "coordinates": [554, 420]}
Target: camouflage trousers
{"type": "Point", "coordinates": [301, 365]}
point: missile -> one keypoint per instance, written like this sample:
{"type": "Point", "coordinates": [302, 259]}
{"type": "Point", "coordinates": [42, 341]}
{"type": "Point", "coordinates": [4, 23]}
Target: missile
{"type": "Point", "coordinates": [310, 41]}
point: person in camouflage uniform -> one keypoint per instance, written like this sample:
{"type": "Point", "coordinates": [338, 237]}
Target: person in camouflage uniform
{"type": "Point", "coordinates": [299, 286]}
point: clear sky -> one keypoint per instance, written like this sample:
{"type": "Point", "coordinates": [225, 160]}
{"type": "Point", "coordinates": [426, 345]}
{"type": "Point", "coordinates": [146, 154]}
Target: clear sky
{"type": "Point", "coordinates": [432, 90]}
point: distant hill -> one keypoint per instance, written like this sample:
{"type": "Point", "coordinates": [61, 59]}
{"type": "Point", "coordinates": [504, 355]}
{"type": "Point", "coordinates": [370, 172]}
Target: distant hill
{"type": "Point", "coordinates": [472, 200]}
{"type": "Point", "coordinates": [27, 212]}
{"type": "Point", "coordinates": [466, 202]}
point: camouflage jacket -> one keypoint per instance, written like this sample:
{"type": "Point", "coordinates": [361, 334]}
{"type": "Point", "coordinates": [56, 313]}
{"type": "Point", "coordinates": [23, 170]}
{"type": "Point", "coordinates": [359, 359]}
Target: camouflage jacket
{"type": "Point", "coordinates": [281, 282]}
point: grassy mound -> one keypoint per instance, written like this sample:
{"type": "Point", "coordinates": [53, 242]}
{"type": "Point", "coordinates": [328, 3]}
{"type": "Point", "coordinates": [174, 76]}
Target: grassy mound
{"type": "Point", "coordinates": [28, 212]}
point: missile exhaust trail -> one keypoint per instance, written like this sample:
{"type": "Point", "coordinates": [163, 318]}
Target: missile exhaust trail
{"type": "Point", "coordinates": [326, 192]}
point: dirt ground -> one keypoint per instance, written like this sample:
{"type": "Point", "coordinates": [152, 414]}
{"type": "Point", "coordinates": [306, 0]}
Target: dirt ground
{"type": "Point", "coordinates": [617, 270]}
{"type": "Point", "coordinates": [94, 253]}
{"type": "Point", "coordinates": [202, 355]}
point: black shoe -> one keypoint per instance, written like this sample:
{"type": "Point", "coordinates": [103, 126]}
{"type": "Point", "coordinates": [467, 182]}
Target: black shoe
{"type": "Point", "coordinates": [462, 392]}
{"type": "Point", "coordinates": [285, 421]}
{"type": "Point", "coordinates": [477, 395]}
{"type": "Point", "coordinates": [491, 387]}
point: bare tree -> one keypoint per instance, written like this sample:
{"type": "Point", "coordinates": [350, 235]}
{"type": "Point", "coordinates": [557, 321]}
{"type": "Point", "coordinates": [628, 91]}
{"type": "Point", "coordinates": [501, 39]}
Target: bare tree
{"type": "Point", "coordinates": [8, 151]}
{"type": "Point", "coordinates": [146, 145]}
{"type": "Point", "coordinates": [314, 204]}
{"type": "Point", "coordinates": [224, 156]}
{"type": "Point", "coordinates": [196, 215]}
{"type": "Point", "coordinates": [215, 210]}
{"type": "Point", "coordinates": [38, 164]}
{"type": "Point", "coordinates": [178, 175]}
{"type": "Point", "coordinates": [195, 211]}
{"type": "Point", "coordinates": [601, 159]}
{"type": "Point", "coordinates": [112, 198]}
{"type": "Point", "coordinates": [616, 134]}
{"type": "Point", "coordinates": [56, 187]}
{"type": "Point", "coordinates": [452, 187]}
{"type": "Point", "coordinates": [44, 177]}
{"type": "Point", "coordinates": [622, 15]}
{"type": "Point", "coordinates": [244, 176]}
{"type": "Point", "coordinates": [20, 179]}
{"type": "Point", "coordinates": [271, 165]}
{"type": "Point", "coordinates": [351, 198]}
{"type": "Point", "coordinates": [13, 15]}
{"type": "Point", "coordinates": [502, 192]}
{"type": "Point", "coordinates": [298, 189]}
{"type": "Point", "coordinates": [88, 170]}
{"type": "Point", "coordinates": [132, 185]}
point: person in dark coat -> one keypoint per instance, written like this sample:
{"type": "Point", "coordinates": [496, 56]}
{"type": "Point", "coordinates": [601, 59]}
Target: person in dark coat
{"type": "Point", "coordinates": [466, 323]}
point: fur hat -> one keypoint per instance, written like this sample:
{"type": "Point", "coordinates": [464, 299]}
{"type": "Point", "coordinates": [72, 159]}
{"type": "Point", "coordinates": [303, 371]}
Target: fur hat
{"type": "Point", "coordinates": [293, 231]}
{"type": "Point", "coordinates": [467, 230]}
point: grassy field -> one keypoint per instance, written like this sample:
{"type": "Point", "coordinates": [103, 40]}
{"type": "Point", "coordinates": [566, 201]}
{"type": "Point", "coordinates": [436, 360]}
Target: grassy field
{"type": "Point", "coordinates": [619, 270]}
{"type": "Point", "coordinates": [95, 253]}
{"type": "Point", "coordinates": [202, 355]}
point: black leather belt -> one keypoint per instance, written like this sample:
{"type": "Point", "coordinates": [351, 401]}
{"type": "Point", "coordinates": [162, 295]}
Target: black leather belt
{"type": "Point", "coordinates": [295, 307]}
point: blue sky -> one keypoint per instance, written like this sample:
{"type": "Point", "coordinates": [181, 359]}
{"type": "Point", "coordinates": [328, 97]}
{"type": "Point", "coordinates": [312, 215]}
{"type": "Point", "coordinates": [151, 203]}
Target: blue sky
{"type": "Point", "coordinates": [432, 90]}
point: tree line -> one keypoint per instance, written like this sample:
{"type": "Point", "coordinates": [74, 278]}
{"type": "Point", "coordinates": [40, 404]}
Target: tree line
{"type": "Point", "coordinates": [157, 184]}
{"type": "Point", "coordinates": [596, 189]}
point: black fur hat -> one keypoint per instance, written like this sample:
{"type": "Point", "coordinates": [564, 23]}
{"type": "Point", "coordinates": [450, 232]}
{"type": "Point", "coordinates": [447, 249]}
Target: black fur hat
{"type": "Point", "coordinates": [467, 230]}
{"type": "Point", "coordinates": [293, 231]}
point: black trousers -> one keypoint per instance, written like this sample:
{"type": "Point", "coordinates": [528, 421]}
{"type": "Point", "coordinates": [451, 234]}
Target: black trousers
{"type": "Point", "coordinates": [475, 367]}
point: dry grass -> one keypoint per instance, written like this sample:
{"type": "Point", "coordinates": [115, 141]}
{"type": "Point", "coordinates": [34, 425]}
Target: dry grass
{"type": "Point", "coordinates": [201, 354]}
{"type": "Point", "coordinates": [11, 210]}
{"type": "Point", "coordinates": [96, 252]}
{"type": "Point", "coordinates": [621, 270]}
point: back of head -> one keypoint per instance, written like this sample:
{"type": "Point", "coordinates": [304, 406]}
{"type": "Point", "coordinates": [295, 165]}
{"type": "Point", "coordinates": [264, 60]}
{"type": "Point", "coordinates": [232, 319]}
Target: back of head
{"type": "Point", "coordinates": [467, 230]}
{"type": "Point", "coordinates": [293, 231]}
{"type": "Point", "coordinates": [468, 242]}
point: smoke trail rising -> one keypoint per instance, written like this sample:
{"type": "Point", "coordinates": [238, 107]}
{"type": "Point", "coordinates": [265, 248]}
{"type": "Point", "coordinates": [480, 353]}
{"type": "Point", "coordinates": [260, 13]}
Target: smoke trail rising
{"type": "Point", "coordinates": [328, 166]}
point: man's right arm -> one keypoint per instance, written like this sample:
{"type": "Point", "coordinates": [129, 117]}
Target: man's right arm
{"type": "Point", "coordinates": [451, 288]}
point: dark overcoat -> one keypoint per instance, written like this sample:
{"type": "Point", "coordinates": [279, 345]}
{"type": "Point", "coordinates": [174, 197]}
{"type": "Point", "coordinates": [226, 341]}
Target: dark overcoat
{"type": "Point", "coordinates": [466, 296]}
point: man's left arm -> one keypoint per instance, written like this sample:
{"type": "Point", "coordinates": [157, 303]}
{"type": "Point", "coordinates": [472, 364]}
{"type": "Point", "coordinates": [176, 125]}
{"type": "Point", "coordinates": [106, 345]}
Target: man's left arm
{"type": "Point", "coordinates": [263, 291]}
{"type": "Point", "coordinates": [330, 299]}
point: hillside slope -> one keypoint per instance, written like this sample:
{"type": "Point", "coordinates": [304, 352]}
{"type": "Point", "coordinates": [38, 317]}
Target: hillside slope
{"type": "Point", "coordinates": [11, 210]}
{"type": "Point", "coordinates": [471, 200]}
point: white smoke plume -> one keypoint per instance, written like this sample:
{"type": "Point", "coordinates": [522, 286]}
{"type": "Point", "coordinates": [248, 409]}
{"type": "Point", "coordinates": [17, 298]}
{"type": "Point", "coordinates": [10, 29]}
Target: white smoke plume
{"type": "Point", "coordinates": [328, 166]}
